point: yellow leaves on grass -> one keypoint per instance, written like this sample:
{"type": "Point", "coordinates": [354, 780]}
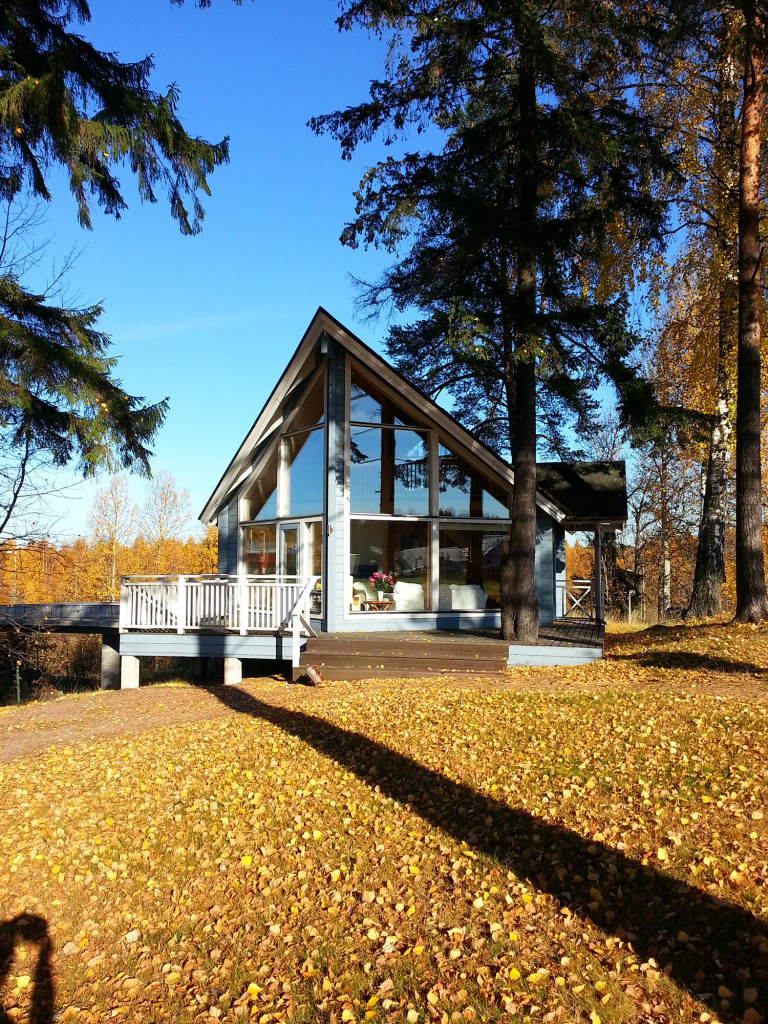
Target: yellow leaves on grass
{"type": "Point", "coordinates": [412, 855]}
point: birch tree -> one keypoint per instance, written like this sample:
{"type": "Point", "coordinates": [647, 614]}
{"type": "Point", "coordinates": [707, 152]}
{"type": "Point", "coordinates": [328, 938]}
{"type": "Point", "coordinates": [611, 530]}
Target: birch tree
{"type": "Point", "coordinates": [112, 521]}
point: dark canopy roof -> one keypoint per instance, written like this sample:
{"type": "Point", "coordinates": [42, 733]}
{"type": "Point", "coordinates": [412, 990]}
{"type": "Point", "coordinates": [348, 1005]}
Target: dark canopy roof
{"type": "Point", "coordinates": [590, 492]}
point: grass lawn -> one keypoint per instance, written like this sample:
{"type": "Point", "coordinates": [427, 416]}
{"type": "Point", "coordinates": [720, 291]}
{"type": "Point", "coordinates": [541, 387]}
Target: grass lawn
{"type": "Point", "coordinates": [582, 845]}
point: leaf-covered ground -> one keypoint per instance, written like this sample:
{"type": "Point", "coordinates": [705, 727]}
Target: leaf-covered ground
{"type": "Point", "coordinates": [563, 846]}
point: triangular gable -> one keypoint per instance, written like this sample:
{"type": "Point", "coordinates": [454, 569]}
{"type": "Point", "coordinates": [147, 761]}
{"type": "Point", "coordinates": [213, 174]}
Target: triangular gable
{"type": "Point", "coordinates": [268, 421]}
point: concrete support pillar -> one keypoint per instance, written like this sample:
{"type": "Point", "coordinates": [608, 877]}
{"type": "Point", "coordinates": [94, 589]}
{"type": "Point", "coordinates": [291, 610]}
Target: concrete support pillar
{"type": "Point", "coordinates": [110, 661]}
{"type": "Point", "coordinates": [129, 672]}
{"type": "Point", "coordinates": [233, 671]}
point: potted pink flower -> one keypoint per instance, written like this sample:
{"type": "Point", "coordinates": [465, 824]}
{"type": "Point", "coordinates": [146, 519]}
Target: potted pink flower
{"type": "Point", "coordinates": [383, 583]}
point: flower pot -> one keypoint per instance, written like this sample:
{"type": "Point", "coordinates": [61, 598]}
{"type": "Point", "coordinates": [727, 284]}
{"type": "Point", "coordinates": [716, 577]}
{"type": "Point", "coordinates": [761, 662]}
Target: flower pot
{"type": "Point", "coordinates": [381, 595]}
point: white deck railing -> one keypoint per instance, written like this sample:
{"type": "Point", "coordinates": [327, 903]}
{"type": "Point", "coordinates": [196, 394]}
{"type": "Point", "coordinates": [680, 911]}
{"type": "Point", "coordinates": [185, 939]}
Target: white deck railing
{"type": "Point", "coordinates": [199, 604]}
{"type": "Point", "coordinates": [575, 599]}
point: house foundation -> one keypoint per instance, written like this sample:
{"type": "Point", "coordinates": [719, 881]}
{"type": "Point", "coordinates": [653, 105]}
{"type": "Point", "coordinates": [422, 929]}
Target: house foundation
{"type": "Point", "coordinates": [129, 672]}
{"type": "Point", "coordinates": [233, 671]}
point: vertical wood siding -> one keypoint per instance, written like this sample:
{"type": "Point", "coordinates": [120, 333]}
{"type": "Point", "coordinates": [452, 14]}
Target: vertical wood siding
{"type": "Point", "coordinates": [227, 523]}
{"type": "Point", "coordinates": [544, 571]}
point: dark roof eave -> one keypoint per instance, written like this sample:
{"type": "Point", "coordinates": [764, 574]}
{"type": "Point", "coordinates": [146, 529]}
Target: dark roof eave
{"type": "Point", "coordinates": [583, 525]}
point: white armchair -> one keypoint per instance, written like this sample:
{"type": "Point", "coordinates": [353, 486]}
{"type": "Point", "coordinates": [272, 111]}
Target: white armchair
{"type": "Point", "coordinates": [409, 597]}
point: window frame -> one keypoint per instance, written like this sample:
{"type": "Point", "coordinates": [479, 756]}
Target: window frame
{"type": "Point", "coordinates": [436, 437]}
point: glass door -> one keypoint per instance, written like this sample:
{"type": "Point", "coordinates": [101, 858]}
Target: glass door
{"type": "Point", "coordinates": [289, 550]}
{"type": "Point", "coordinates": [300, 553]}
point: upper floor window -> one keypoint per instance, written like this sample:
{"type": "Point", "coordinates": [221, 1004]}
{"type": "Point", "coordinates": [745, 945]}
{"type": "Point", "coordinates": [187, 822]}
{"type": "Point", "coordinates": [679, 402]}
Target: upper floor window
{"type": "Point", "coordinates": [289, 479]}
{"type": "Point", "coordinates": [369, 405]}
{"type": "Point", "coordinates": [389, 471]}
{"type": "Point", "coordinates": [304, 472]}
{"type": "Point", "coordinates": [465, 494]}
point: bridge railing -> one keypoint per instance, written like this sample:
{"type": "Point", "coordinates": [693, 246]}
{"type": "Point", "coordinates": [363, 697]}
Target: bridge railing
{"type": "Point", "coordinates": [242, 604]}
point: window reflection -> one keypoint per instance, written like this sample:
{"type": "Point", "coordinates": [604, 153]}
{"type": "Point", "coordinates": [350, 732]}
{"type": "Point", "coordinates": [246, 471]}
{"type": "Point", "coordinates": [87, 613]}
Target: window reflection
{"type": "Point", "coordinates": [260, 550]}
{"type": "Point", "coordinates": [304, 477]}
{"type": "Point", "coordinates": [388, 472]}
{"type": "Point", "coordinates": [471, 557]}
{"type": "Point", "coordinates": [260, 500]}
{"type": "Point", "coordinates": [465, 494]}
{"type": "Point", "coordinates": [369, 405]}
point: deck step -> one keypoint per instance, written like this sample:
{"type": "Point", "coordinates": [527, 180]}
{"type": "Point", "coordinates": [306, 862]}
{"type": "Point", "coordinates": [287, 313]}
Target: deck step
{"type": "Point", "coordinates": [342, 674]}
{"type": "Point", "coordinates": [342, 657]}
{"type": "Point", "coordinates": [388, 650]}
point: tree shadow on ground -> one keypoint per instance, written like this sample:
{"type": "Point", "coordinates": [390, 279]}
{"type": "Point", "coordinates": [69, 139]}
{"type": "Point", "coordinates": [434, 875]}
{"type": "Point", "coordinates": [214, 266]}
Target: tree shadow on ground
{"type": "Point", "coordinates": [638, 903]}
{"type": "Point", "coordinates": [29, 929]}
{"type": "Point", "coordinates": [688, 660]}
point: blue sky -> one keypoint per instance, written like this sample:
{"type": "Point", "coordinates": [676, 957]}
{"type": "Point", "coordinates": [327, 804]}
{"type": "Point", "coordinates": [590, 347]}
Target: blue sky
{"type": "Point", "coordinates": [211, 321]}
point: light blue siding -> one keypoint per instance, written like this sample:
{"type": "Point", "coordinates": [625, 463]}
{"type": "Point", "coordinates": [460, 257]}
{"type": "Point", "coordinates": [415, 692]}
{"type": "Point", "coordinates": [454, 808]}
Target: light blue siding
{"type": "Point", "coordinates": [228, 529]}
{"type": "Point", "coordinates": [201, 645]}
{"type": "Point", "coordinates": [544, 570]}
{"type": "Point", "coordinates": [559, 571]}
{"type": "Point", "coordinates": [520, 654]}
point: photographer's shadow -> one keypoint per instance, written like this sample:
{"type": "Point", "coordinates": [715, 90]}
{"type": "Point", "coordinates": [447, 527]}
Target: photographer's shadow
{"type": "Point", "coordinates": [32, 930]}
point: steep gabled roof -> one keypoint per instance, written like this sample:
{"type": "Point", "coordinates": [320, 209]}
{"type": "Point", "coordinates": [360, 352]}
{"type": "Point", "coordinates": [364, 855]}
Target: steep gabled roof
{"type": "Point", "coordinates": [269, 418]}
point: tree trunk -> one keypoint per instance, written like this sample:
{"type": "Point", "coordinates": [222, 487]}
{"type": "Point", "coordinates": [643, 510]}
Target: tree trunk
{"type": "Point", "coordinates": [751, 597]}
{"type": "Point", "coordinates": [519, 604]}
{"type": "Point", "coordinates": [665, 569]}
{"type": "Point", "coordinates": [709, 573]}
{"type": "Point", "coordinates": [665, 580]}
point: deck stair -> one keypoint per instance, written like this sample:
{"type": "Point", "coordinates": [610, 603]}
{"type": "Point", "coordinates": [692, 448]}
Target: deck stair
{"type": "Point", "coordinates": [410, 653]}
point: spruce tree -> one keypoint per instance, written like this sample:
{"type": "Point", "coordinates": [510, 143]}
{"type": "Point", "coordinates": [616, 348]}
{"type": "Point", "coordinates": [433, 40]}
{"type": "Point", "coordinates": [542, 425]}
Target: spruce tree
{"type": "Point", "coordinates": [65, 104]}
{"type": "Point", "coordinates": [504, 221]}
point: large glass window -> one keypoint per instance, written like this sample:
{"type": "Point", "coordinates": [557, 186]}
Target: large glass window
{"type": "Point", "coordinates": [390, 546]}
{"type": "Point", "coordinates": [465, 494]}
{"type": "Point", "coordinates": [260, 550]}
{"type": "Point", "coordinates": [260, 499]}
{"type": "Point", "coordinates": [305, 469]}
{"type": "Point", "coordinates": [368, 404]}
{"type": "Point", "coordinates": [311, 404]}
{"type": "Point", "coordinates": [303, 481]}
{"type": "Point", "coordinates": [471, 555]}
{"type": "Point", "coordinates": [389, 471]}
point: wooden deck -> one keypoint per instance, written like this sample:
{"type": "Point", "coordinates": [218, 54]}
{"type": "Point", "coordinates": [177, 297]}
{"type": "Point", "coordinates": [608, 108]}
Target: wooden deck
{"type": "Point", "coordinates": [572, 633]}
{"type": "Point", "coordinates": [416, 652]}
